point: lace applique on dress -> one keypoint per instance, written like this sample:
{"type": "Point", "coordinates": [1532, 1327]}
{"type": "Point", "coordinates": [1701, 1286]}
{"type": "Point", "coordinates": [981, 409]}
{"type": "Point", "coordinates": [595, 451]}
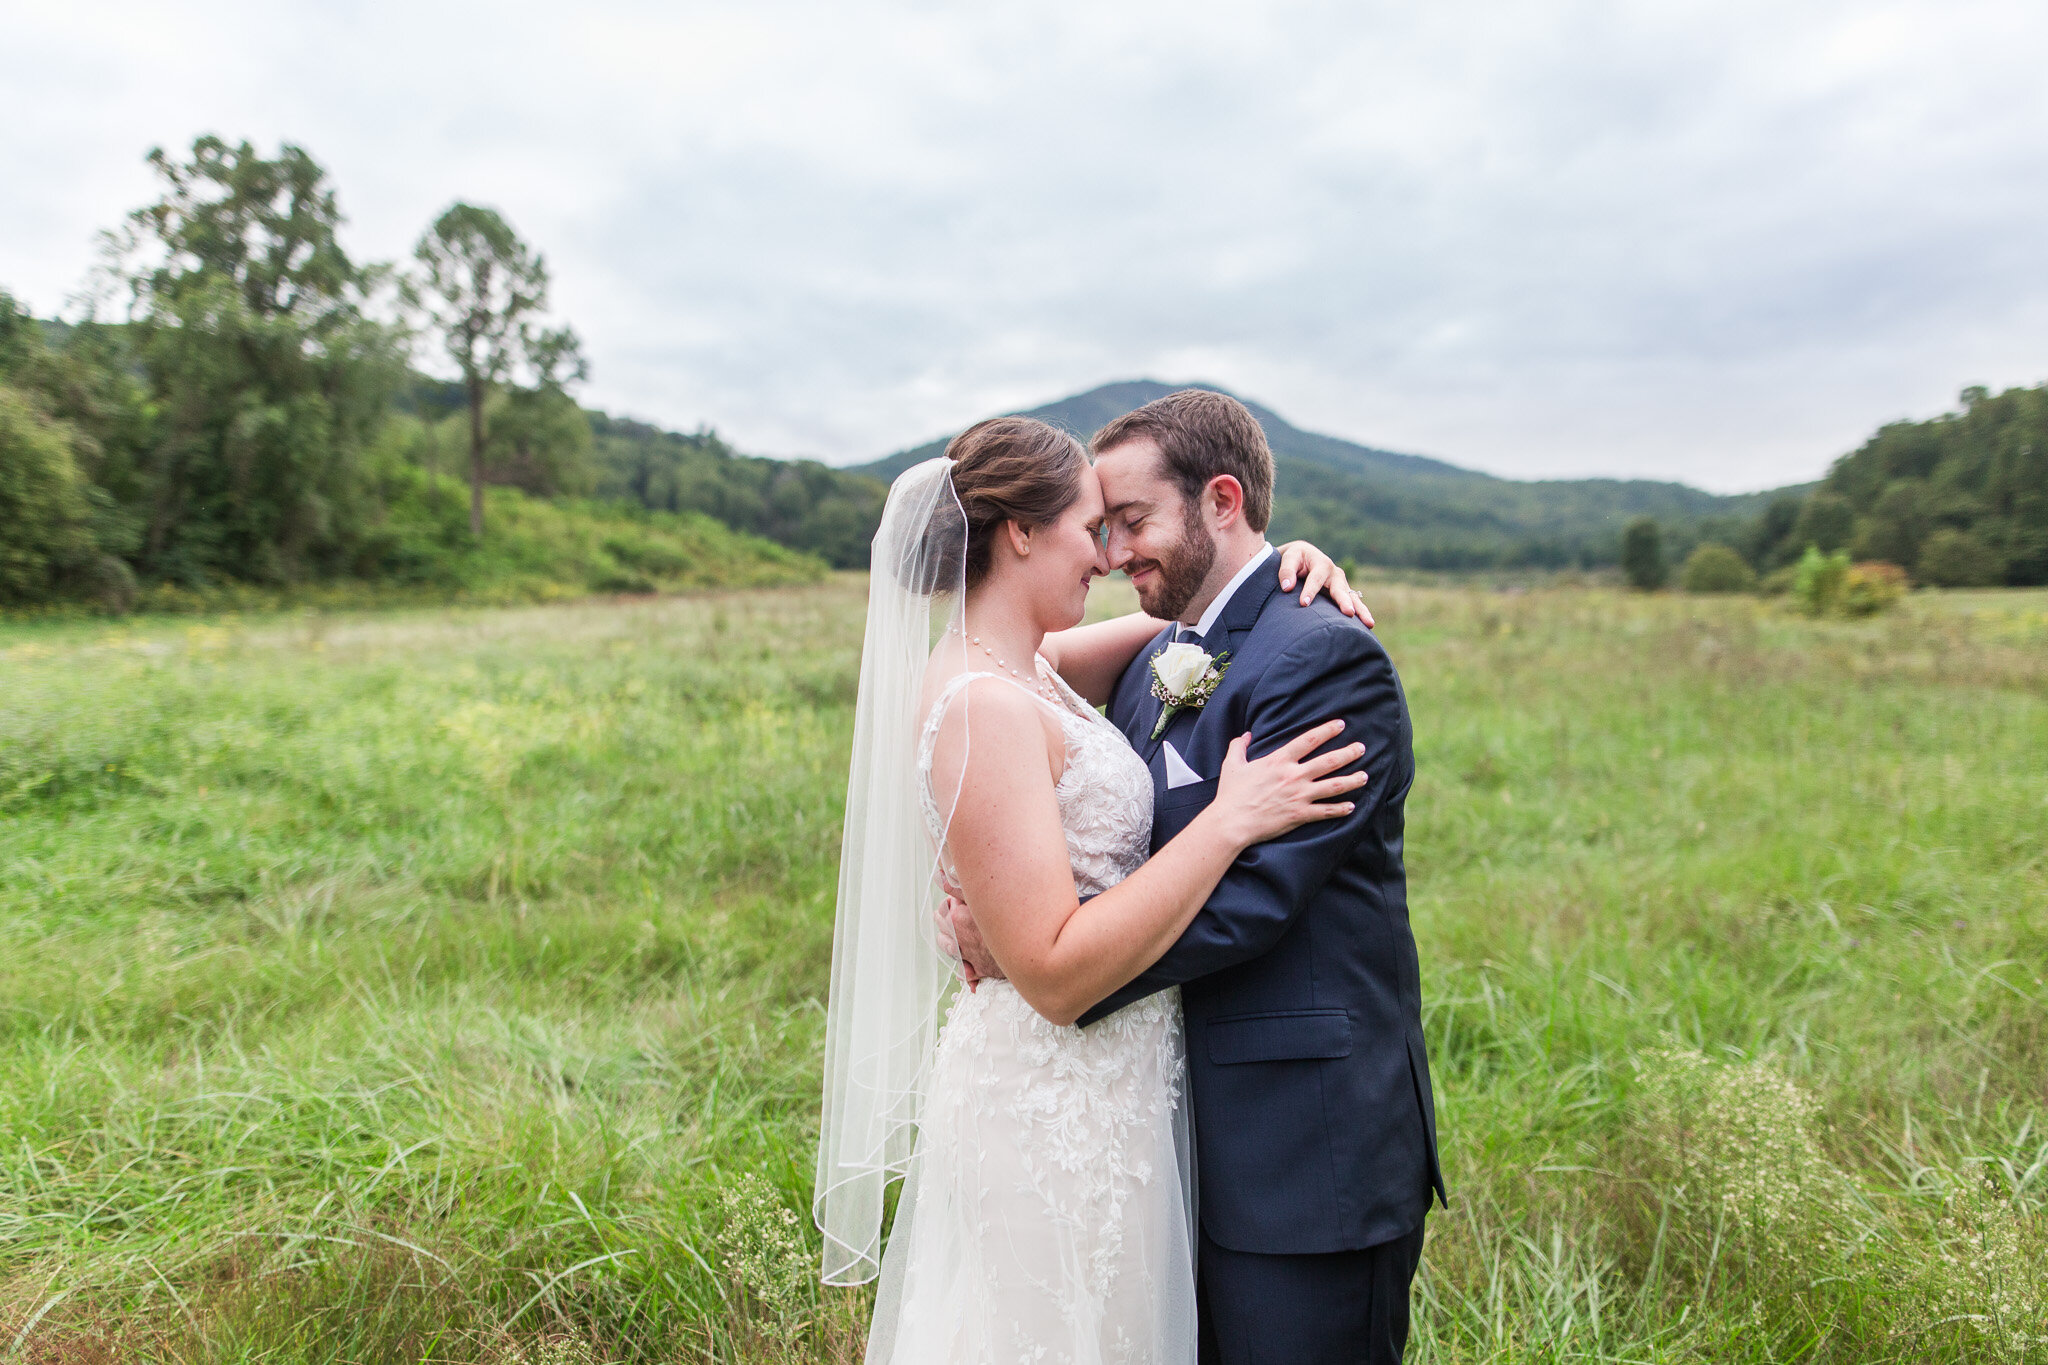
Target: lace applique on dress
{"type": "Point", "coordinates": [1047, 1215]}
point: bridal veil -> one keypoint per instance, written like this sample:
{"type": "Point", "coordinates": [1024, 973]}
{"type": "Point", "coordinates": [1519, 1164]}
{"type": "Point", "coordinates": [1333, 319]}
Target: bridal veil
{"type": "Point", "coordinates": [889, 978]}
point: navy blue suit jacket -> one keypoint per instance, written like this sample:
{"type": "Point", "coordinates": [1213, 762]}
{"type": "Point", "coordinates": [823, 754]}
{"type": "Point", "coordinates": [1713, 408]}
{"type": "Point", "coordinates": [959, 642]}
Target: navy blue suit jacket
{"type": "Point", "coordinates": [1315, 1127]}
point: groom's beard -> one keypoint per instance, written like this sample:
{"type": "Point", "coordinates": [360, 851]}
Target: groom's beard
{"type": "Point", "coordinates": [1182, 570]}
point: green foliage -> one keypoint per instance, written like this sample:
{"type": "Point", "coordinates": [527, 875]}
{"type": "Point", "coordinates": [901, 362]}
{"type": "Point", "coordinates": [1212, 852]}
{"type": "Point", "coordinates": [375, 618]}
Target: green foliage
{"type": "Point", "coordinates": [829, 512]}
{"type": "Point", "coordinates": [534, 550]}
{"type": "Point", "coordinates": [1768, 542]}
{"type": "Point", "coordinates": [1984, 1291]}
{"type": "Point", "coordinates": [539, 441]}
{"type": "Point", "coordinates": [766, 1258]}
{"type": "Point", "coordinates": [45, 520]}
{"type": "Point", "coordinates": [416, 987]}
{"type": "Point", "coordinates": [1872, 587]}
{"type": "Point", "coordinates": [250, 437]}
{"type": "Point", "coordinates": [1716, 568]}
{"type": "Point", "coordinates": [536, 440]}
{"type": "Point", "coordinates": [482, 290]}
{"type": "Point", "coordinates": [1961, 500]}
{"type": "Point", "coordinates": [82, 379]}
{"type": "Point", "coordinates": [1642, 555]}
{"type": "Point", "coordinates": [1818, 582]}
{"type": "Point", "coordinates": [1825, 521]}
{"type": "Point", "coordinates": [1830, 585]}
{"type": "Point", "coordinates": [1736, 1154]}
{"type": "Point", "coordinates": [268, 374]}
{"type": "Point", "coordinates": [1958, 559]}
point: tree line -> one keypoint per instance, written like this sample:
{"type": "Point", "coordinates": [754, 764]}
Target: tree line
{"type": "Point", "coordinates": [1958, 501]}
{"type": "Point", "coordinates": [240, 404]}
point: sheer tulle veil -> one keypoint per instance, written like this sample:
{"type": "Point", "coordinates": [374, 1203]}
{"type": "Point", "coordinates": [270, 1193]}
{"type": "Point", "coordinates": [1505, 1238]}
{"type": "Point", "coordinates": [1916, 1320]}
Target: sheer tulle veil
{"type": "Point", "coordinates": [888, 976]}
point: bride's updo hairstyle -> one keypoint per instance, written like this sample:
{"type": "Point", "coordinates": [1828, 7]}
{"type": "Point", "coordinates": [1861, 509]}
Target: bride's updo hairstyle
{"type": "Point", "coordinates": [1005, 469]}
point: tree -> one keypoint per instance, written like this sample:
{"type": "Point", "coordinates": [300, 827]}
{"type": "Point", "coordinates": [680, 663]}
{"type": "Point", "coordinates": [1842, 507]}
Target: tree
{"type": "Point", "coordinates": [1896, 524]}
{"type": "Point", "coordinates": [1642, 555]}
{"type": "Point", "coordinates": [1770, 542]}
{"type": "Point", "coordinates": [266, 370]}
{"type": "Point", "coordinates": [44, 516]}
{"type": "Point", "coordinates": [483, 289]}
{"type": "Point", "coordinates": [1957, 559]}
{"type": "Point", "coordinates": [539, 440]}
{"type": "Point", "coordinates": [1716, 568]}
{"type": "Point", "coordinates": [1825, 520]}
{"type": "Point", "coordinates": [75, 384]}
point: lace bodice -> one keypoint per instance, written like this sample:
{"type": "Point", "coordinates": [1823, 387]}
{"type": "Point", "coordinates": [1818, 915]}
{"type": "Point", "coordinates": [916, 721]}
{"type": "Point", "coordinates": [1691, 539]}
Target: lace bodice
{"type": "Point", "coordinates": [1048, 1217]}
{"type": "Point", "coordinates": [1105, 793]}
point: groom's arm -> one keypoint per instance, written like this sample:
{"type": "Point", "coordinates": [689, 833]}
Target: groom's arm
{"type": "Point", "coordinates": [1339, 672]}
{"type": "Point", "coordinates": [1092, 658]}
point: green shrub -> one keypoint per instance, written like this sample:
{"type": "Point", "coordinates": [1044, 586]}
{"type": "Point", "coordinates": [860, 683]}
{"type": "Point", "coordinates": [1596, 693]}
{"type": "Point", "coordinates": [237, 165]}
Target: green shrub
{"type": "Point", "coordinates": [1829, 585]}
{"type": "Point", "coordinates": [768, 1264]}
{"type": "Point", "coordinates": [1983, 1287]}
{"type": "Point", "coordinates": [1736, 1147]}
{"type": "Point", "coordinates": [1872, 587]}
{"type": "Point", "coordinates": [1716, 568]}
{"type": "Point", "coordinates": [1818, 580]}
{"type": "Point", "coordinates": [1958, 559]}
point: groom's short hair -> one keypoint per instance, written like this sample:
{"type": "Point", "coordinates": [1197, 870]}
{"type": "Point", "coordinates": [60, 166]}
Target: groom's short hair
{"type": "Point", "coordinates": [1202, 433]}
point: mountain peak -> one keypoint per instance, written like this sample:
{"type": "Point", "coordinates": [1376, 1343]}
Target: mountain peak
{"type": "Point", "coordinates": [1086, 413]}
{"type": "Point", "coordinates": [1363, 503]}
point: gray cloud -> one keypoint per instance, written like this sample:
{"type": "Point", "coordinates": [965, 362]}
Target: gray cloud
{"type": "Point", "coordinates": [1717, 242]}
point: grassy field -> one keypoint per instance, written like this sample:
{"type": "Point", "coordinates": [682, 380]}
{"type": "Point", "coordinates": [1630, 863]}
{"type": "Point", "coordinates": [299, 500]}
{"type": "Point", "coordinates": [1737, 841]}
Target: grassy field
{"type": "Point", "coordinates": [446, 985]}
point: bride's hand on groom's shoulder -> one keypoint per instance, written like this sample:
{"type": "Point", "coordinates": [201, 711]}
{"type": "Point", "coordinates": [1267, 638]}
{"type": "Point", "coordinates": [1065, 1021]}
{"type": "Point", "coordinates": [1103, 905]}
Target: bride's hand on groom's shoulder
{"type": "Point", "coordinates": [1317, 572]}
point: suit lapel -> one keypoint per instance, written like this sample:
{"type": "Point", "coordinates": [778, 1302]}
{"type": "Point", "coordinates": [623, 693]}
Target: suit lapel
{"type": "Point", "coordinates": [1149, 706]}
{"type": "Point", "coordinates": [1240, 614]}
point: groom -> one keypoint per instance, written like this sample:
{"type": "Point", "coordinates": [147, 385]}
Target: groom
{"type": "Point", "coordinates": [1315, 1127]}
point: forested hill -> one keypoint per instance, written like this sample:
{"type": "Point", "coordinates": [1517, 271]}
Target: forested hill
{"type": "Point", "coordinates": [1377, 506]}
{"type": "Point", "coordinates": [1960, 501]}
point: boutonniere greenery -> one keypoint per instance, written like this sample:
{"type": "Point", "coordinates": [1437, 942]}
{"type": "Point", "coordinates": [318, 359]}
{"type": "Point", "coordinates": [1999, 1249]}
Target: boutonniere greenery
{"type": "Point", "coordinates": [1184, 676]}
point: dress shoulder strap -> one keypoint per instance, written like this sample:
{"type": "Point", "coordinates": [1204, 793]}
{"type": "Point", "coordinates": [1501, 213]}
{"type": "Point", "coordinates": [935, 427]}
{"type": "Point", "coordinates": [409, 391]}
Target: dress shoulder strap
{"type": "Point", "coordinates": [953, 688]}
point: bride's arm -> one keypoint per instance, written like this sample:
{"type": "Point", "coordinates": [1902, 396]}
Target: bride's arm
{"type": "Point", "coordinates": [1092, 658]}
{"type": "Point", "coordinates": [1007, 843]}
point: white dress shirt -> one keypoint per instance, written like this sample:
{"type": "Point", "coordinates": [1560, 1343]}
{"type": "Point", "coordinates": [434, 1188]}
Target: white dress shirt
{"type": "Point", "coordinates": [1215, 609]}
{"type": "Point", "coordinates": [1178, 772]}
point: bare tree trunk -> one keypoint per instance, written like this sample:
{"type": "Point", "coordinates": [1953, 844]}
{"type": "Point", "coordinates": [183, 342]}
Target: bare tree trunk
{"type": "Point", "coordinates": [476, 457]}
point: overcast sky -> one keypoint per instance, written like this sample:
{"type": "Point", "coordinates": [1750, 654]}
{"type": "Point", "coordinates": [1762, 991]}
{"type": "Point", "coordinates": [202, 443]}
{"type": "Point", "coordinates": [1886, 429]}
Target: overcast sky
{"type": "Point", "coordinates": [1717, 242]}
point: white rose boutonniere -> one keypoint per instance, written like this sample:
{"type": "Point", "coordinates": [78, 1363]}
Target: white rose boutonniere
{"type": "Point", "coordinates": [1185, 677]}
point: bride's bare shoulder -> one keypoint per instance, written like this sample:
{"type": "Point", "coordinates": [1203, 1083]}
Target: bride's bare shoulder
{"type": "Point", "coordinates": [987, 698]}
{"type": "Point", "coordinates": [986, 717]}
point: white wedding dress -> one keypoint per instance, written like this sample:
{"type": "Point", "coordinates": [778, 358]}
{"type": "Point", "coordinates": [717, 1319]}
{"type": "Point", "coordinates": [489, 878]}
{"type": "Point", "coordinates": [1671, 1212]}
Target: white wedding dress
{"type": "Point", "coordinates": [1047, 1212]}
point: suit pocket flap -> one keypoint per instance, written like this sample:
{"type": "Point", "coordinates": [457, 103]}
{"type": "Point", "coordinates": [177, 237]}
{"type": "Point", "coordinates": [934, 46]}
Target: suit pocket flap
{"type": "Point", "coordinates": [1297, 1035]}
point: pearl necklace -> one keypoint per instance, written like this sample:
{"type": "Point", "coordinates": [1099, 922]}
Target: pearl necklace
{"type": "Point", "coordinates": [1035, 683]}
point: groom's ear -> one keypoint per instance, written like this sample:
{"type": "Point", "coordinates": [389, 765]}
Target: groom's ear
{"type": "Point", "coordinates": [1223, 501]}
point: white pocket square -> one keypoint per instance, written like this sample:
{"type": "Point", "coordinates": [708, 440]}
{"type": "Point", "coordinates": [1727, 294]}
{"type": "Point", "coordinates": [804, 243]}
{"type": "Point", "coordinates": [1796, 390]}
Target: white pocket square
{"type": "Point", "coordinates": [1178, 773]}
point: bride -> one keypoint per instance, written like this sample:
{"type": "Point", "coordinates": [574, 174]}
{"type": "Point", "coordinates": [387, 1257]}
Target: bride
{"type": "Point", "coordinates": [1048, 1208]}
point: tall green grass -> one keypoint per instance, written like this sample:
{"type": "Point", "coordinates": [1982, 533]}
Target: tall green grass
{"type": "Point", "coordinates": [426, 986]}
